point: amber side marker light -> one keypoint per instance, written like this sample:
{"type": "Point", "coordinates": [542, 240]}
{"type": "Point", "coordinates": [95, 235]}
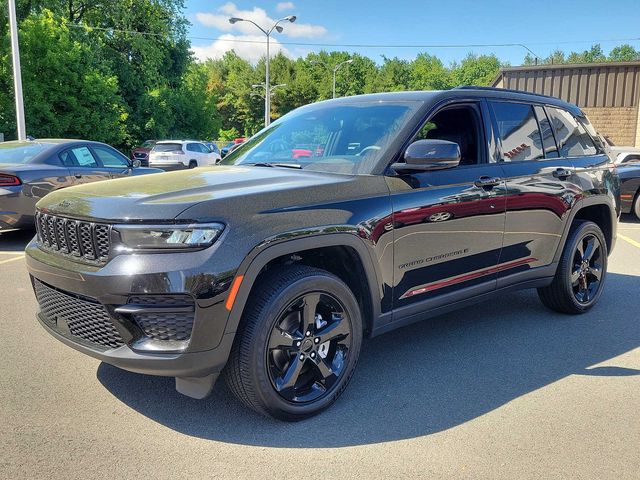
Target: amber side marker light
{"type": "Point", "coordinates": [234, 291]}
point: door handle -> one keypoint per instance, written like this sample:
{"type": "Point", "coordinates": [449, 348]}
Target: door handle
{"type": "Point", "coordinates": [487, 182]}
{"type": "Point", "coordinates": [562, 173]}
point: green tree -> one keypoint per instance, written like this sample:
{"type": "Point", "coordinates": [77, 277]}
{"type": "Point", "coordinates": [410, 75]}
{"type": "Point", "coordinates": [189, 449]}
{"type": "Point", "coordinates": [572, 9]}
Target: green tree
{"type": "Point", "coordinates": [476, 70]}
{"type": "Point", "coordinates": [429, 73]}
{"type": "Point", "coordinates": [67, 91]}
{"type": "Point", "coordinates": [394, 75]}
{"type": "Point", "coordinates": [624, 53]}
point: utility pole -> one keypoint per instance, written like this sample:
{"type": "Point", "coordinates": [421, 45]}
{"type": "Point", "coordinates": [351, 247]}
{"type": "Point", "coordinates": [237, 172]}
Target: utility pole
{"type": "Point", "coordinates": [17, 72]}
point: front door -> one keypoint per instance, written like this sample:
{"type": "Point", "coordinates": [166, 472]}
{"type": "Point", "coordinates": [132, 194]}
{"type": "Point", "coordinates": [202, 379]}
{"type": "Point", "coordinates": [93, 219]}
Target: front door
{"type": "Point", "coordinates": [113, 161]}
{"type": "Point", "coordinates": [448, 224]}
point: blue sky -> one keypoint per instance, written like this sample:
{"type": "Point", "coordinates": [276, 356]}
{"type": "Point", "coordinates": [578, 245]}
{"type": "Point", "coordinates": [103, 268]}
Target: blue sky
{"type": "Point", "coordinates": [543, 26]}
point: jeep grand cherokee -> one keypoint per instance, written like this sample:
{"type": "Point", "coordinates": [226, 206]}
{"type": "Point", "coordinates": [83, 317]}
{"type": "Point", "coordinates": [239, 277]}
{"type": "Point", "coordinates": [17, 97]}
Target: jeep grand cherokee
{"type": "Point", "coordinates": [272, 268]}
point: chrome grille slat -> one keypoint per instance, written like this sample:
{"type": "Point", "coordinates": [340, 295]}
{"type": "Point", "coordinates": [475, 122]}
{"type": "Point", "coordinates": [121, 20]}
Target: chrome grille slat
{"type": "Point", "coordinates": [83, 240]}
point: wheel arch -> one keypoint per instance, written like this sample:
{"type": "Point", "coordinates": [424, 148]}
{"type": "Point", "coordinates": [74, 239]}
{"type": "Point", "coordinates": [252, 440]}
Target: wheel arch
{"type": "Point", "coordinates": [307, 251]}
{"type": "Point", "coordinates": [600, 212]}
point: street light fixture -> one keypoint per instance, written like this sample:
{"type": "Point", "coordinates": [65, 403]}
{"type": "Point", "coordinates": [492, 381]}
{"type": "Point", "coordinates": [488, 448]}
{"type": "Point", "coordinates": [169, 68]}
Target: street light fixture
{"type": "Point", "coordinates": [278, 28]}
{"type": "Point", "coordinates": [271, 89]}
{"type": "Point", "coordinates": [335, 70]}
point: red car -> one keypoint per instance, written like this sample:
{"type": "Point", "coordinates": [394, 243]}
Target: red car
{"type": "Point", "coordinates": [142, 152]}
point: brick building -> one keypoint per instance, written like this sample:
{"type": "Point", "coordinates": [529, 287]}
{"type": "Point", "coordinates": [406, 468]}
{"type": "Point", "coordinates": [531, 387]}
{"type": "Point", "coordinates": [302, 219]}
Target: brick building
{"type": "Point", "coordinates": [607, 92]}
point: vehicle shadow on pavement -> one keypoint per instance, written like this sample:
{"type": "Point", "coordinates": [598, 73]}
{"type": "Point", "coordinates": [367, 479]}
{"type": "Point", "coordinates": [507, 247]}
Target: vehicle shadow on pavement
{"type": "Point", "coordinates": [421, 379]}
{"type": "Point", "coordinates": [15, 240]}
{"type": "Point", "coordinates": [629, 219]}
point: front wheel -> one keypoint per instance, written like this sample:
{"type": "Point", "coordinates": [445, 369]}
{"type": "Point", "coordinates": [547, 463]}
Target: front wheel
{"type": "Point", "coordinates": [579, 280]}
{"type": "Point", "coordinates": [298, 344]}
{"type": "Point", "coordinates": [636, 206]}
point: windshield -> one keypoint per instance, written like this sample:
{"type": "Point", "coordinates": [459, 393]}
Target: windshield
{"type": "Point", "coordinates": [167, 147]}
{"type": "Point", "coordinates": [20, 152]}
{"type": "Point", "coordinates": [347, 139]}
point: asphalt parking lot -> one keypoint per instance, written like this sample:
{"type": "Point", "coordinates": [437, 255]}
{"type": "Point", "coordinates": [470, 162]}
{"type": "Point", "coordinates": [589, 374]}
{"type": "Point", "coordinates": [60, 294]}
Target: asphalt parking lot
{"type": "Point", "coordinates": [504, 389]}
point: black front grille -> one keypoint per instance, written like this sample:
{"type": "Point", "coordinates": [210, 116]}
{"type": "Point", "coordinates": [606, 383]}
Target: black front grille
{"type": "Point", "coordinates": [82, 318]}
{"type": "Point", "coordinates": [159, 325]}
{"type": "Point", "coordinates": [140, 155]}
{"type": "Point", "coordinates": [84, 240]}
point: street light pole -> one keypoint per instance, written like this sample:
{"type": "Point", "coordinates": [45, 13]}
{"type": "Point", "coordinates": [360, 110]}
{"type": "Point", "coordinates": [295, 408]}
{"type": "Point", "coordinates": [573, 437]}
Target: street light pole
{"type": "Point", "coordinates": [335, 70]}
{"type": "Point", "coordinates": [17, 73]}
{"type": "Point", "coordinates": [267, 89]}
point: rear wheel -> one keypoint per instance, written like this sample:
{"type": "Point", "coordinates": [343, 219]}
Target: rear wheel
{"type": "Point", "coordinates": [298, 344]}
{"type": "Point", "coordinates": [579, 280]}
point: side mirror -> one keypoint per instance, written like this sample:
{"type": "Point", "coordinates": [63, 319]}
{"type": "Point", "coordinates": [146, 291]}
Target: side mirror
{"type": "Point", "coordinates": [429, 155]}
{"type": "Point", "coordinates": [136, 163]}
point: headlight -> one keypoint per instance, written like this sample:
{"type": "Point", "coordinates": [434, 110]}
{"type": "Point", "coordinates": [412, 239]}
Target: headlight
{"type": "Point", "coordinates": [170, 237]}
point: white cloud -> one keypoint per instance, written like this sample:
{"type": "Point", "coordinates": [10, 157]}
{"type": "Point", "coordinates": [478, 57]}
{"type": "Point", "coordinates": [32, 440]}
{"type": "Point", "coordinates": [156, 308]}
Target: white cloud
{"type": "Point", "coordinates": [249, 51]}
{"type": "Point", "coordinates": [220, 21]}
{"type": "Point", "coordinates": [282, 6]}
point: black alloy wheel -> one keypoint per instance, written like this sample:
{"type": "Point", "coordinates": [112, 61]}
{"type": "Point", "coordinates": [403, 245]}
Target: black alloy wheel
{"type": "Point", "coordinates": [308, 347]}
{"type": "Point", "coordinates": [587, 268]}
{"type": "Point", "coordinates": [579, 279]}
{"type": "Point", "coordinates": [297, 344]}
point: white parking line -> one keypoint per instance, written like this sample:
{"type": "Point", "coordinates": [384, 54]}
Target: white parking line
{"type": "Point", "coordinates": [629, 240]}
{"type": "Point", "coordinates": [11, 253]}
{"type": "Point", "coordinates": [11, 259]}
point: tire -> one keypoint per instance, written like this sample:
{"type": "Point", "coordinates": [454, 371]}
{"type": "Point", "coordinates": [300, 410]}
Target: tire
{"type": "Point", "coordinates": [279, 382]}
{"type": "Point", "coordinates": [577, 285]}
{"type": "Point", "coordinates": [193, 164]}
{"type": "Point", "coordinates": [636, 206]}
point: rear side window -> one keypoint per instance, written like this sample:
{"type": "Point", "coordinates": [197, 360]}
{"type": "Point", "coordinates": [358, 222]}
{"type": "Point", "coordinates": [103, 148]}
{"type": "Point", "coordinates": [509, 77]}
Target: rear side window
{"type": "Point", "coordinates": [167, 147]}
{"type": "Point", "coordinates": [518, 130]}
{"type": "Point", "coordinates": [548, 140]}
{"type": "Point", "coordinates": [78, 157]}
{"type": "Point", "coordinates": [573, 140]}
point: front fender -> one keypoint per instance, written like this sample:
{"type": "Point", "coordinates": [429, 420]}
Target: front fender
{"type": "Point", "coordinates": [268, 251]}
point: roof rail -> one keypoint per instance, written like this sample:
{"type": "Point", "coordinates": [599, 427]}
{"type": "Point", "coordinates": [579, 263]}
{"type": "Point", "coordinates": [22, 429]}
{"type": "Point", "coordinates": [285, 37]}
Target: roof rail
{"type": "Point", "coordinates": [498, 89]}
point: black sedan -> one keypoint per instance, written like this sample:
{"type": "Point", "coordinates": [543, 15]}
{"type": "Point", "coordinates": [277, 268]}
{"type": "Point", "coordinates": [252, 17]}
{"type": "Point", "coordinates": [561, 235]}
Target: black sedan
{"type": "Point", "coordinates": [629, 172]}
{"type": "Point", "coordinates": [31, 169]}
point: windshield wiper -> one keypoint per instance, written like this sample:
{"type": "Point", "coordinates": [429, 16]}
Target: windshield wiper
{"type": "Point", "coordinates": [268, 164]}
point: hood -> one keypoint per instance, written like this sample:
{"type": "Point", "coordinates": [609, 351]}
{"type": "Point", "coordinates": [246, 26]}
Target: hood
{"type": "Point", "coordinates": [165, 196]}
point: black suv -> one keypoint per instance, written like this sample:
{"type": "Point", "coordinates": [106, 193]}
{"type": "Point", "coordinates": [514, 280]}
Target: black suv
{"type": "Point", "coordinates": [342, 220]}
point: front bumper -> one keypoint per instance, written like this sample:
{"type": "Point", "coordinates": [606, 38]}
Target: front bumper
{"type": "Point", "coordinates": [109, 289]}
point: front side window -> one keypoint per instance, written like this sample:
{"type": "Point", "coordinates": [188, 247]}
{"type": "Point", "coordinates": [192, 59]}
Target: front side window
{"type": "Point", "coordinates": [110, 158]}
{"type": "Point", "coordinates": [348, 138]}
{"type": "Point", "coordinates": [460, 125]}
{"type": "Point", "coordinates": [573, 139]}
{"type": "Point", "coordinates": [518, 130]}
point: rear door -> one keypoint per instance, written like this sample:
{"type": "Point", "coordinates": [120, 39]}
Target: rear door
{"type": "Point", "coordinates": [83, 164]}
{"type": "Point", "coordinates": [448, 224]}
{"type": "Point", "coordinates": [194, 153]}
{"type": "Point", "coordinates": [541, 189]}
{"type": "Point", "coordinates": [116, 164]}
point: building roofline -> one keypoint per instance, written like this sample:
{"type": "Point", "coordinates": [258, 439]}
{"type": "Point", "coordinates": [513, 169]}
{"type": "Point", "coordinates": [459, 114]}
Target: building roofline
{"type": "Point", "coordinates": [556, 66]}
{"type": "Point", "coordinates": [562, 66]}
